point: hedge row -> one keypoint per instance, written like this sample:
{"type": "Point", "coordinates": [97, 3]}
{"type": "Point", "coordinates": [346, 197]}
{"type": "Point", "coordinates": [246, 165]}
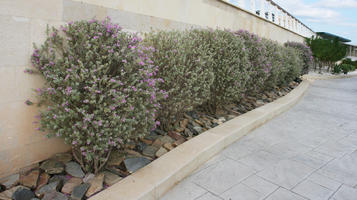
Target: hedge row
{"type": "Point", "coordinates": [105, 87]}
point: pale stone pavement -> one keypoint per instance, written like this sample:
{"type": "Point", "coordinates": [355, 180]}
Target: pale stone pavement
{"type": "Point", "coordinates": [309, 152]}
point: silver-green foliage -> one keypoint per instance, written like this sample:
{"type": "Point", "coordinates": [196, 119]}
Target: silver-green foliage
{"type": "Point", "coordinates": [230, 66]}
{"type": "Point", "coordinates": [100, 89]}
{"type": "Point", "coordinates": [184, 65]}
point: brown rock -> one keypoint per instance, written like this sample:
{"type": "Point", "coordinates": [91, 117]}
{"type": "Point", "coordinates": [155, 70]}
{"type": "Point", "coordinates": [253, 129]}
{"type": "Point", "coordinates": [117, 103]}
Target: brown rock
{"type": "Point", "coordinates": [181, 129]}
{"type": "Point", "coordinates": [62, 157]}
{"type": "Point", "coordinates": [166, 139]}
{"type": "Point", "coordinates": [133, 153]}
{"type": "Point", "coordinates": [30, 179]}
{"type": "Point", "coordinates": [116, 158]}
{"type": "Point", "coordinates": [184, 123]}
{"type": "Point", "coordinates": [157, 143]}
{"type": "Point", "coordinates": [168, 146]}
{"type": "Point", "coordinates": [111, 178]}
{"type": "Point", "coordinates": [70, 185]}
{"type": "Point", "coordinates": [175, 135]}
{"type": "Point", "coordinates": [199, 122]}
{"type": "Point", "coordinates": [160, 152]}
{"type": "Point", "coordinates": [146, 141]}
{"type": "Point", "coordinates": [178, 142]}
{"type": "Point", "coordinates": [52, 166]}
{"type": "Point", "coordinates": [43, 180]}
{"type": "Point", "coordinates": [96, 185]}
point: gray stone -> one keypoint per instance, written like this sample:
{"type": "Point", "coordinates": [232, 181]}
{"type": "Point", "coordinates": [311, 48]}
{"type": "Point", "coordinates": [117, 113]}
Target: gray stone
{"type": "Point", "coordinates": [54, 195]}
{"type": "Point", "coordinates": [198, 129]}
{"type": "Point", "coordinates": [6, 195]}
{"type": "Point", "coordinates": [10, 181]}
{"type": "Point", "coordinates": [52, 167]}
{"type": "Point", "coordinates": [166, 139]}
{"type": "Point", "coordinates": [58, 178]}
{"type": "Point", "coordinates": [53, 186]}
{"type": "Point", "coordinates": [79, 191]}
{"type": "Point", "coordinates": [62, 157]}
{"type": "Point", "coordinates": [74, 169]}
{"type": "Point", "coordinates": [133, 164]}
{"type": "Point", "coordinates": [23, 194]}
{"type": "Point", "coordinates": [150, 151]}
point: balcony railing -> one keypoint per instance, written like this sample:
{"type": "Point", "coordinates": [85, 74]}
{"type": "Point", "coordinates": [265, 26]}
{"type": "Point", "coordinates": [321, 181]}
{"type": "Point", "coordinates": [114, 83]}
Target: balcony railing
{"type": "Point", "coordinates": [271, 11]}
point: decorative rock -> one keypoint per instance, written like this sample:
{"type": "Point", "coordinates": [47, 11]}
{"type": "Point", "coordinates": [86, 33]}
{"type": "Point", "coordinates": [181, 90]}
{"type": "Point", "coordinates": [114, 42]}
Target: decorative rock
{"type": "Point", "coordinates": [7, 194]}
{"type": "Point", "coordinates": [175, 135]}
{"type": "Point", "coordinates": [23, 194]}
{"type": "Point", "coordinates": [70, 185]}
{"type": "Point", "coordinates": [166, 139]}
{"type": "Point", "coordinates": [96, 185]}
{"type": "Point", "coordinates": [152, 136]}
{"type": "Point", "coordinates": [110, 178]}
{"type": "Point", "coordinates": [52, 167]}
{"type": "Point", "coordinates": [133, 153]}
{"type": "Point", "coordinates": [168, 146]}
{"type": "Point", "coordinates": [115, 158]}
{"type": "Point", "coordinates": [146, 141]}
{"type": "Point", "coordinates": [181, 129]}
{"type": "Point", "coordinates": [160, 132]}
{"type": "Point", "coordinates": [178, 142]}
{"type": "Point", "coordinates": [198, 129]}
{"type": "Point", "coordinates": [43, 180]}
{"type": "Point", "coordinates": [62, 157]}
{"type": "Point", "coordinates": [133, 164]}
{"type": "Point", "coordinates": [184, 123]}
{"type": "Point", "coordinates": [61, 178]}
{"type": "Point", "coordinates": [79, 191]}
{"type": "Point", "coordinates": [54, 195]}
{"type": "Point", "coordinates": [2, 187]}
{"type": "Point", "coordinates": [88, 177]}
{"type": "Point", "coordinates": [74, 169]}
{"type": "Point", "coordinates": [157, 143]}
{"type": "Point", "coordinates": [188, 133]}
{"type": "Point", "coordinates": [10, 181]}
{"type": "Point", "coordinates": [30, 179]}
{"type": "Point", "coordinates": [199, 122]}
{"type": "Point", "coordinates": [56, 185]}
{"type": "Point", "coordinates": [260, 102]}
{"type": "Point", "coordinates": [160, 152]}
{"type": "Point", "coordinates": [150, 151]}
{"type": "Point", "coordinates": [140, 146]}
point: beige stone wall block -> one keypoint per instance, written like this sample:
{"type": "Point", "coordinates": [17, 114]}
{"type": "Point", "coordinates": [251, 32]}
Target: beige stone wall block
{"type": "Point", "coordinates": [16, 125]}
{"type": "Point", "coordinates": [14, 40]}
{"type": "Point", "coordinates": [43, 9]}
{"type": "Point", "coordinates": [14, 159]}
{"type": "Point", "coordinates": [7, 82]}
{"type": "Point", "coordinates": [73, 10]}
{"type": "Point", "coordinates": [38, 29]}
{"type": "Point", "coordinates": [26, 84]}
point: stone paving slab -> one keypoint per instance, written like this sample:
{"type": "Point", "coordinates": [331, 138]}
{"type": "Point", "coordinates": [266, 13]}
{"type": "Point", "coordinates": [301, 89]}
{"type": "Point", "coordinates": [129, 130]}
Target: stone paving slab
{"type": "Point", "coordinates": [307, 153]}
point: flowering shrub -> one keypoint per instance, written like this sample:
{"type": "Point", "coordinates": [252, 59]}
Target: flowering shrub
{"type": "Point", "coordinates": [260, 63]}
{"type": "Point", "coordinates": [274, 55]}
{"type": "Point", "coordinates": [230, 66]}
{"type": "Point", "coordinates": [183, 64]}
{"type": "Point", "coordinates": [100, 90]}
{"type": "Point", "coordinates": [292, 66]}
{"type": "Point", "coordinates": [305, 53]}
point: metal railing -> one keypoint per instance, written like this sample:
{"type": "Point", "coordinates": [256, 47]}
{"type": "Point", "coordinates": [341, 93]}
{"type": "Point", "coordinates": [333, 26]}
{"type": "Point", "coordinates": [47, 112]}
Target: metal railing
{"type": "Point", "coordinates": [272, 12]}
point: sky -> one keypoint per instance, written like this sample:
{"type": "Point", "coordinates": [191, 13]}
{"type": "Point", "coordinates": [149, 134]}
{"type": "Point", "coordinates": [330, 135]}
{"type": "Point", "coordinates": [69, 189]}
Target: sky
{"type": "Point", "coordinates": [338, 17]}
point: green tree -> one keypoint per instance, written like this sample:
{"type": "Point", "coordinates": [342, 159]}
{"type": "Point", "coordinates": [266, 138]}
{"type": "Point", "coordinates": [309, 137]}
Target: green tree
{"type": "Point", "coordinates": [327, 51]}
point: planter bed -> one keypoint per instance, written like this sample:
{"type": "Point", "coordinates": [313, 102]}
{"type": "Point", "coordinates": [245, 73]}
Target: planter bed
{"type": "Point", "coordinates": [62, 178]}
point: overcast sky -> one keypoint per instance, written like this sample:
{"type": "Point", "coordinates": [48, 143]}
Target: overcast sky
{"type": "Point", "coordinates": [338, 17]}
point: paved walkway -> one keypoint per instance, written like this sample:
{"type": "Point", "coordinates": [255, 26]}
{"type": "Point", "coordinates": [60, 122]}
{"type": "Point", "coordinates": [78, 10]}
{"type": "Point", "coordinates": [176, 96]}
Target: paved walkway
{"type": "Point", "coordinates": [309, 152]}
